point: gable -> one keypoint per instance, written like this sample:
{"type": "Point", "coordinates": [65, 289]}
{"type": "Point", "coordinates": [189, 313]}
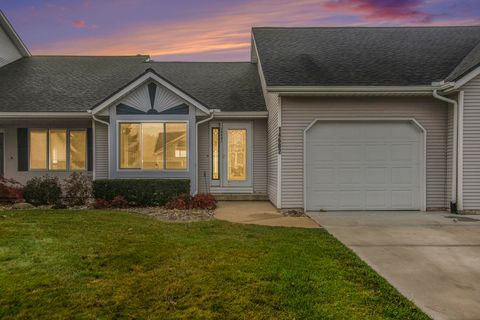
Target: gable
{"type": "Point", "coordinates": [150, 97]}
{"type": "Point", "coordinates": [148, 83]}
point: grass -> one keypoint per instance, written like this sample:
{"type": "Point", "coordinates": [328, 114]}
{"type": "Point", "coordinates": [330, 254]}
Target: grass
{"type": "Point", "coordinates": [108, 264]}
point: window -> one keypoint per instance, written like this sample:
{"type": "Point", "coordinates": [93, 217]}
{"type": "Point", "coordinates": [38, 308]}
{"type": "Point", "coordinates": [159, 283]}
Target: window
{"type": "Point", "coordinates": [176, 145]}
{"type": "Point", "coordinates": [48, 149]}
{"type": "Point", "coordinates": [237, 154]}
{"type": "Point", "coordinates": [38, 149]}
{"type": "Point", "coordinates": [78, 148]}
{"type": "Point", "coordinates": [215, 153]}
{"type": "Point", "coordinates": [153, 145]}
{"type": "Point", "coordinates": [130, 145]}
{"type": "Point", "coordinates": [57, 146]}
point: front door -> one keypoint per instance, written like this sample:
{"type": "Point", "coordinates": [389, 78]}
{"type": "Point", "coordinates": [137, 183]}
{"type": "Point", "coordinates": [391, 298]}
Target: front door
{"type": "Point", "coordinates": [232, 156]}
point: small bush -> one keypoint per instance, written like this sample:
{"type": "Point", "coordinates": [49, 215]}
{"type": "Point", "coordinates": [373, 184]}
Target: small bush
{"type": "Point", "coordinates": [78, 189]}
{"type": "Point", "coordinates": [141, 192]}
{"type": "Point", "coordinates": [199, 201]}
{"type": "Point", "coordinates": [181, 202]}
{"type": "Point", "coordinates": [10, 190]}
{"type": "Point", "coordinates": [119, 202]}
{"type": "Point", "coordinates": [42, 190]}
{"type": "Point", "coordinates": [100, 204]}
{"type": "Point", "coordinates": [204, 201]}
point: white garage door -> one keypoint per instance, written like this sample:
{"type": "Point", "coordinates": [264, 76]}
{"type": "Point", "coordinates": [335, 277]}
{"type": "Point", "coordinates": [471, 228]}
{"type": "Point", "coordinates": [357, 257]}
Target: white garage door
{"type": "Point", "coordinates": [364, 165]}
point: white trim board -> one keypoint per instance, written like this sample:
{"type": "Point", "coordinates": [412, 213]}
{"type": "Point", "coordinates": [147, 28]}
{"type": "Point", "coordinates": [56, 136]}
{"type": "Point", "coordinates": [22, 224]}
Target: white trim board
{"type": "Point", "coordinates": [423, 181]}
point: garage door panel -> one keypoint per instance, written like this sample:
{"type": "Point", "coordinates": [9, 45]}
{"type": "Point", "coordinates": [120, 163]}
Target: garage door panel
{"type": "Point", "coordinates": [376, 152]}
{"type": "Point", "coordinates": [363, 165]}
{"type": "Point", "coordinates": [402, 199]}
{"type": "Point", "coordinates": [377, 199]}
{"type": "Point", "coordinates": [404, 151]}
{"type": "Point", "coordinates": [376, 175]}
{"type": "Point", "coordinates": [405, 175]}
{"type": "Point", "coordinates": [349, 176]}
{"type": "Point", "coordinates": [351, 199]}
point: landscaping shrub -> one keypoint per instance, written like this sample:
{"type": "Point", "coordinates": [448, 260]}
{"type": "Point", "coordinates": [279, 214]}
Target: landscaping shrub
{"type": "Point", "coordinates": [10, 190]}
{"type": "Point", "coordinates": [204, 201]}
{"type": "Point", "coordinates": [119, 202]}
{"type": "Point", "coordinates": [141, 192]}
{"type": "Point", "coordinates": [42, 190]}
{"type": "Point", "coordinates": [199, 201]}
{"type": "Point", "coordinates": [78, 189]}
{"type": "Point", "coordinates": [181, 202]}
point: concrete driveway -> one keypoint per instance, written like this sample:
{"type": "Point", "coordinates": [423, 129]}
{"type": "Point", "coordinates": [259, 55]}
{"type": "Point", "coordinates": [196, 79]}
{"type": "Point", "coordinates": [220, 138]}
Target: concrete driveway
{"type": "Point", "coordinates": [431, 258]}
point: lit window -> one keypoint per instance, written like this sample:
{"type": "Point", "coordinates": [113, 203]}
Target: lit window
{"type": "Point", "coordinates": [48, 149]}
{"type": "Point", "coordinates": [130, 145]}
{"type": "Point", "coordinates": [237, 154]}
{"type": "Point", "coordinates": [57, 144]}
{"type": "Point", "coordinates": [38, 149]}
{"type": "Point", "coordinates": [78, 150]}
{"type": "Point", "coordinates": [176, 146]}
{"type": "Point", "coordinates": [215, 153]}
{"type": "Point", "coordinates": [153, 145]}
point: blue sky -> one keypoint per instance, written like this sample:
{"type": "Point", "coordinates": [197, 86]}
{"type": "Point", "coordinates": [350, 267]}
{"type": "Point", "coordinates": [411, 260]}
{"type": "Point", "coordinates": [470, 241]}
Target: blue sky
{"type": "Point", "coordinates": [208, 30]}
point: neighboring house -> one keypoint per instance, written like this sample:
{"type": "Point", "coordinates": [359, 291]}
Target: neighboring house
{"type": "Point", "coordinates": [320, 118]}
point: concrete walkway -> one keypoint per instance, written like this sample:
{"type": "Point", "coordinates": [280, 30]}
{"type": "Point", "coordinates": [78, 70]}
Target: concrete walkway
{"type": "Point", "coordinates": [259, 212]}
{"type": "Point", "coordinates": [431, 258]}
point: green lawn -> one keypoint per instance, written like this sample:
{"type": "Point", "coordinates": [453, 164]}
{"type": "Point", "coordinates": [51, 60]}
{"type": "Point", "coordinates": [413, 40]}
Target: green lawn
{"type": "Point", "coordinates": [107, 264]}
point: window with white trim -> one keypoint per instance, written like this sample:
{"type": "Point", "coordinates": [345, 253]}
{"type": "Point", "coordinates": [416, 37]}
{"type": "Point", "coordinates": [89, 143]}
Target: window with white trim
{"type": "Point", "coordinates": [153, 145]}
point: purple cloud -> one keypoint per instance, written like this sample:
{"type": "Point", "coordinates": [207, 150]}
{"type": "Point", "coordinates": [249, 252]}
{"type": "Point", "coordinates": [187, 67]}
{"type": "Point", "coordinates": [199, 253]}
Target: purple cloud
{"type": "Point", "coordinates": [406, 10]}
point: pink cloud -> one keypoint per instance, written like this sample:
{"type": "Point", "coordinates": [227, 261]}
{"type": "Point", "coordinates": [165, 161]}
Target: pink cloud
{"type": "Point", "coordinates": [80, 23]}
{"type": "Point", "coordinates": [406, 10]}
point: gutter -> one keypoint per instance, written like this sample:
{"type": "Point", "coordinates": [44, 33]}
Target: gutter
{"type": "Point", "coordinates": [335, 90]}
{"type": "Point", "coordinates": [454, 199]}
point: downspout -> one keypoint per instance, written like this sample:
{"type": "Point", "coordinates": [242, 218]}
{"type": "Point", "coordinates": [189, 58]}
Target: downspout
{"type": "Point", "coordinates": [94, 117]}
{"type": "Point", "coordinates": [461, 97]}
{"type": "Point", "coordinates": [212, 113]}
{"type": "Point", "coordinates": [454, 103]}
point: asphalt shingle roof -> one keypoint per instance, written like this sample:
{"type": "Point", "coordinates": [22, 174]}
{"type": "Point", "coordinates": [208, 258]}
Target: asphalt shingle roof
{"type": "Point", "coordinates": [78, 83]}
{"type": "Point", "coordinates": [364, 56]}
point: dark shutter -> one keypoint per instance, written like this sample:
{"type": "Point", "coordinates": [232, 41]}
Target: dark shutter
{"type": "Point", "coordinates": [89, 149]}
{"type": "Point", "coordinates": [22, 149]}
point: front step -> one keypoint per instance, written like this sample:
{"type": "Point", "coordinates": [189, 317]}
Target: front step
{"type": "Point", "coordinates": [241, 196]}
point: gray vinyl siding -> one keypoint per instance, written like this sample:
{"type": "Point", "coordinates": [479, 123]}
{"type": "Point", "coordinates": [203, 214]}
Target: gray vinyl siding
{"type": "Point", "coordinates": [272, 102]}
{"type": "Point", "coordinates": [101, 150]}
{"type": "Point", "coordinates": [260, 156]}
{"type": "Point", "coordinates": [204, 158]}
{"type": "Point", "coordinates": [298, 113]}
{"type": "Point", "coordinates": [8, 51]}
{"type": "Point", "coordinates": [259, 160]}
{"type": "Point", "coordinates": [11, 148]}
{"type": "Point", "coordinates": [273, 107]}
{"type": "Point", "coordinates": [471, 145]}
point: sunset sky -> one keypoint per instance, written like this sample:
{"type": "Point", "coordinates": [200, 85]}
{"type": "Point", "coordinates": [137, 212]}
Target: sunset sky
{"type": "Point", "coordinates": [212, 30]}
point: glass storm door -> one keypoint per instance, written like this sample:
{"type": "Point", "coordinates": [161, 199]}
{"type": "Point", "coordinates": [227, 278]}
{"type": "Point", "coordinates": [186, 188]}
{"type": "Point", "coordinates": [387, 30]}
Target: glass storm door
{"type": "Point", "coordinates": [232, 159]}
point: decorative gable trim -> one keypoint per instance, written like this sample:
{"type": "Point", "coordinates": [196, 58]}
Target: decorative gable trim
{"type": "Point", "coordinates": [149, 75]}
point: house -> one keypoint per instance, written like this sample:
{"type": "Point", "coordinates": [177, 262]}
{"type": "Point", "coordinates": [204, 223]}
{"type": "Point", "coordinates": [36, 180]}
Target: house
{"type": "Point", "coordinates": [319, 119]}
